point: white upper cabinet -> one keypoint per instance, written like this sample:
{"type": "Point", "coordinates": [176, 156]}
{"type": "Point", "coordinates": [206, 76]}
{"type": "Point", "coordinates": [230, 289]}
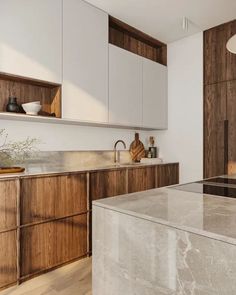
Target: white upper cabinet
{"type": "Point", "coordinates": [155, 102]}
{"type": "Point", "coordinates": [85, 62]}
{"type": "Point", "coordinates": [125, 87]}
{"type": "Point", "coordinates": [31, 38]}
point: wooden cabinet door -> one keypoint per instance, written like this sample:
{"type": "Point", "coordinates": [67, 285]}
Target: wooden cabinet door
{"type": "Point", "coordinates": [8, 258]}
{"type": "Point", "coordinates": [50, 244]}
{"type": "Point", "coordinates": [141, 179]}
{"type": "Point", "coordinates": [167, 174]}
{"type": "Point", "coordinates": [214, 133]}
{"type": "Point", "coordinates": [45, 198]}
{"type": "Point", "coordinates": [125, 87]}
{"type": "Point", "coordinates": [8, 204]}
{"type": "Point", "coordinates": [31, 38]}
{"type": "Point", "coordinates": [104, 184]}
{"type": "Point", "coordinates": [85, 62]}
{"type": "Point", "coordinates": [154, 95]}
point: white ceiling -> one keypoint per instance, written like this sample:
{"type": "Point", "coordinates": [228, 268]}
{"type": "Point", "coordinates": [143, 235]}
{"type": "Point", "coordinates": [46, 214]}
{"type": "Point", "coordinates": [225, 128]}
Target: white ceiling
{"type": "Point", "coordinates": [162, 19]}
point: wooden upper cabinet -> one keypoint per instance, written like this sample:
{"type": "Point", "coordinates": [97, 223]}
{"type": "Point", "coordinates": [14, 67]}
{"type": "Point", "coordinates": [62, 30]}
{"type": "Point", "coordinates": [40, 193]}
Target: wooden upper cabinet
{"type": "Point", "coordinates": [219, 63]}
{"type": "Point", "coordinates": [105, 184]}
{"type": "Point", "coordinates": [85, 62]}
{"type": "Point", "coordinates": [31, 38]}
{"type": "Point", "coordinates": [154, 95]}
{"type": "Point", "coordinates": [46, 198]}
{"type": "Point", "coordinates": [8, 204]}
{"type": "Point", "coordinates": [167, 174]}
{"type": "Point", "coordinates": [125, 87]}
{"type": "Point", "coordinates": [141, 179]}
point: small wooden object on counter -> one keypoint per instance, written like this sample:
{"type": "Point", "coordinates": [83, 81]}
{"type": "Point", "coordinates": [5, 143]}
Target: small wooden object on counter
{"type": "Point", "coordinates": [137, 150]}
{"type": "Point", "coordinates": [4, 170]}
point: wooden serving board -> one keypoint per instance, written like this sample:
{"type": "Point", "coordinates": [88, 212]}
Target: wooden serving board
{"type": "Point", "coordinates": [137, 150]}
{"type": "Point", "coordinates": [5, 170]}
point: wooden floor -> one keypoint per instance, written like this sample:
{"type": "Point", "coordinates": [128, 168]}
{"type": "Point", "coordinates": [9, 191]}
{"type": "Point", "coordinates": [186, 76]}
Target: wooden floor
{"type": "Point", "coordinates": [73, 279]}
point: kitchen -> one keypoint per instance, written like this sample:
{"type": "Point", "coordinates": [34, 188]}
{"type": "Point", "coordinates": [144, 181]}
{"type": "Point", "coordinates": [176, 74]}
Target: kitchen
{"type": "Point", "coordinates": [96, 103]}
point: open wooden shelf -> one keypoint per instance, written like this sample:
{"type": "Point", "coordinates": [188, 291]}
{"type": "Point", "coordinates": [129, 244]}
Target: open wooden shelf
{"type": "Point", "coordinates": [28, 90]}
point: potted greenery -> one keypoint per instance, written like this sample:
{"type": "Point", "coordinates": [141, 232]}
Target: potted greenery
{"type": "Point", "coordinates": [14, 152]}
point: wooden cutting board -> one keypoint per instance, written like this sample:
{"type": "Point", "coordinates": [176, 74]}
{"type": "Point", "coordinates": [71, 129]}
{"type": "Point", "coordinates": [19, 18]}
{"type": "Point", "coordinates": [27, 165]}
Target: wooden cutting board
{"type": "Point", "coordinates": [137, 150]}
{"type": "Point", "coordinates": [4, 170]}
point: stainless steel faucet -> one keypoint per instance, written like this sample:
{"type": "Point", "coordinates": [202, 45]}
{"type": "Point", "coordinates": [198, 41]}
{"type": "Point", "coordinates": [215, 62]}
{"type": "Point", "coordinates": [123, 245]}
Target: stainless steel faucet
{"type": "Point", "coordinates": [117, 153]}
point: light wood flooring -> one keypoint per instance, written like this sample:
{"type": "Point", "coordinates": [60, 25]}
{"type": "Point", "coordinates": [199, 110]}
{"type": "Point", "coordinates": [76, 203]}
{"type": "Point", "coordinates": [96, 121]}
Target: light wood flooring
{"type": "Point", "coordinates": [72, 279]}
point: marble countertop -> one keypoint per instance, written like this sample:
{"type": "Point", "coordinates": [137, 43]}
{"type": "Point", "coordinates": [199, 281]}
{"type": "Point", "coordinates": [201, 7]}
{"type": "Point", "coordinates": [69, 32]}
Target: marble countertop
{"type": "Point", "coordinates": [48, 169]}
{"type": "Point", "coordinates": [202, 214]}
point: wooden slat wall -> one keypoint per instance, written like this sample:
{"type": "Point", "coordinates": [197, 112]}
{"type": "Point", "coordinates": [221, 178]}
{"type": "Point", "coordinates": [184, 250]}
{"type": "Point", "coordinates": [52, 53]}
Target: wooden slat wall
{"type": "Point", "coordinates": [219, 89]}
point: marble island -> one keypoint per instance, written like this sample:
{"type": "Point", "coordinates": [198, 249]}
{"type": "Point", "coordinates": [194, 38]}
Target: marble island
{"type": "Point", "coordinates": [176, 240]}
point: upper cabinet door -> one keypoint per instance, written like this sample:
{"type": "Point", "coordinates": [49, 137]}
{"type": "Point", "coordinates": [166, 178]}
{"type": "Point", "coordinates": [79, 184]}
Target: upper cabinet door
{"type": "Point", "coordinates": [154, 95]}
{"type": "Point", "coordinates": [125, 87]}
{"type": "Point", "coordinates": [31, 38]}
{"type": "Point", "coordinates": [85, 62]}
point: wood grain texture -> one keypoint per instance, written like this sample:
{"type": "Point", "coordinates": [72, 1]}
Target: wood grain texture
{"type": "Point", "coordinates": [27, 90]}
{"type": "Point", "coordinates": [219, 102]}
{"type": "Point", "coordinates": [8, 258]}
{"type": "Point", "coordinates": [104, 184]}
{"type": "Point", "coordinates": [140, 179]}
{"type": "Point", "coordinates": [214, 116]}
{"type": "Point", "coordinates": [231, 105]}
{"type": "Point", "coordinates": [131, 39]}
{"type": "Point", "coordinates": [167, 174]}
{"type": "Point", "coordinates": [50, 244]}
{"type": "Point", "coordinates": [45, 198]}
{"type": "Point", "coordinates": [8, 204]}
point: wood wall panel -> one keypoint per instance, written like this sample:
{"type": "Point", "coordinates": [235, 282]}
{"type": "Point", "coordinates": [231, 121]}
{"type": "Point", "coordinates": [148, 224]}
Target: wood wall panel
{"type": "Point", "coordinates": [231, 116]}
{"type": "Point", "coordinates": [8, 258]}
{"type": "Point", "coordinates": [214, 116]}
{"type": "Point", "coordinates": [105, 184]}
{"type": "Point", "coordinates": [219, 102]}
{"type": "Point", "coordinates": [47, 245]}
{"type": "Point", "coordinates": [8, 204]}
{"type": "Point", "coordinates": [133, 40]}
{"type": "Point", "coordinates": [167, 175]}
{"type": "Point", "coordinates": [140, 179]}
{"type": "Point", "coordinates": [52, 197]}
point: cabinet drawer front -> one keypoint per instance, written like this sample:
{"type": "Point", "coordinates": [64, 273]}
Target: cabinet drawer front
{"type": "Point", "coordinates": [105, 184]}
{"type": "Point", "coordinates": [47, 245]}
{"type": "Point", "coordinates": [8, 204]}
{"type": "Point", "coordinates": [47, 198]}
{"type": "Point", "coordinates": [167, 175]}
{"type": "Point", "coordinates": [140, 179]}
{"type": "Point", "coordinates": [8, 258]}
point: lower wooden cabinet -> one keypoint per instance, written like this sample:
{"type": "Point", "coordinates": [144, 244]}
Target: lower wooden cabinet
{"type": "Point", "coordinates": [51, 197]}
{"type": "Point", "coordinates": [50, 244]}
{"type": "Point", "coordinates": [8, 258]}
{"type": "Point", "coordinates": [167, 174]}
{"type": "Point", "coordinates": [140, 179]}
{"type": "Point", "coordinates": [107, 183]}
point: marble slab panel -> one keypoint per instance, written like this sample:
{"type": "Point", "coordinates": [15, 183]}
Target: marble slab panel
{"type": "Point", "coordinates": [135, 256]}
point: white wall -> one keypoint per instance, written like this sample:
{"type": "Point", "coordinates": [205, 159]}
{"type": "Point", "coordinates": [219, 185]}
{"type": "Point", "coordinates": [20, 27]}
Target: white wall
{"type": "Point", "coordinates": [183, 141]}
{"type": "Point", "coordinates": [68, 137]}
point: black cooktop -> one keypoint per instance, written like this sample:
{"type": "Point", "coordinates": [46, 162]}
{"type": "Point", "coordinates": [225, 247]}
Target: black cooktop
{"type": "Point", "coordinates": [204, 187]}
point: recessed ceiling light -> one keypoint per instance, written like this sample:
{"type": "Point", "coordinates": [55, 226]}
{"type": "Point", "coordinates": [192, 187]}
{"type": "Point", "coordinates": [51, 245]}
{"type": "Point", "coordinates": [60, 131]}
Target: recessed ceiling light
{"type": "Point", "coordinates": [231, 44]}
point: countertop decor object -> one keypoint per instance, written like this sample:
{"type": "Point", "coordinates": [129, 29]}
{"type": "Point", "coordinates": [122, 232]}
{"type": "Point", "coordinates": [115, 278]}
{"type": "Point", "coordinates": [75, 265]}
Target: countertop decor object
{"type": "Point", "coordinates": [12, 106]}
{"type": "Point", "coordinates": [6, 170]}
{"type": "Point", "coordinates": [12, 152]}
{"type": "Point", "coordinates": [32, 108]}
{"type": "Point", "coordinates": [137, 150]}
